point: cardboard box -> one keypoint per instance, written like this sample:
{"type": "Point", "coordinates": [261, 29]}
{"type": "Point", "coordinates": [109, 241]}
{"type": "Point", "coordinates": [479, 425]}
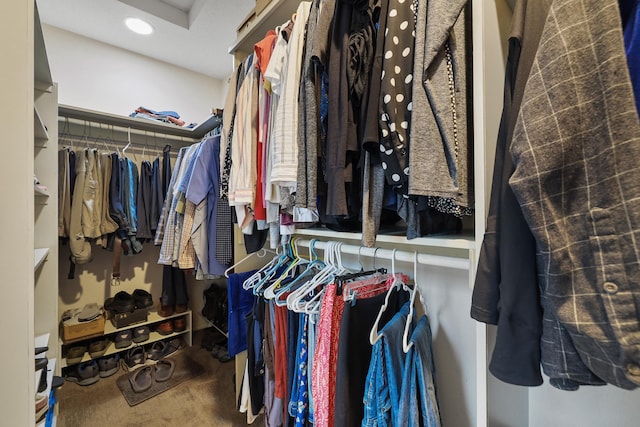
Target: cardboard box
{"type": "Point", "coordinates": [121, 320]}
{"type": "Point", "coordinates": [73, 330]}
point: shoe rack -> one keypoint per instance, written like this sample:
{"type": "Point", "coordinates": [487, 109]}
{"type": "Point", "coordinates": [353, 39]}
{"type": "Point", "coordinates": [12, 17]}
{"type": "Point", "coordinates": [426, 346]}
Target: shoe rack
{"type": "Point", "coordinates": [110, 331]}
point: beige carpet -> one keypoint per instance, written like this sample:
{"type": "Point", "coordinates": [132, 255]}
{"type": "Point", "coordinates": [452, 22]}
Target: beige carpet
{"type": "Point", "coordinates": [207, 400]}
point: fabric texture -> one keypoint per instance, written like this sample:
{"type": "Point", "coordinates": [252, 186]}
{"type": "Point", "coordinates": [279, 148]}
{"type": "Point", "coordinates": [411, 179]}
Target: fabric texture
{"type": "Point", "coordinates": [506, 290]}
{"type": "Point", "coordinates": [576, 150]}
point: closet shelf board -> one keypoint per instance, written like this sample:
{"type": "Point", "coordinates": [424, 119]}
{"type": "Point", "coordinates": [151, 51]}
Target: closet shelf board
{"type": "Point", "coordinates": [39, 129]}
{"type": "Point", "coordinates": [93, 116]}
{"type": "Point", "coordinates": [41, 71]}
{"type": "Point", "coordinates": [40, 255]}
{"type": "Point", "coordinates": [153, 317]}
{"type": "Point", "coordinates": [111, 349]}
{"type": "Point", "coordinates": [462, 241]}
{"type": "Point", "coordinates": [275, 13]}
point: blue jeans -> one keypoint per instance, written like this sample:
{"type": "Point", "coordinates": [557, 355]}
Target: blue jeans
{"type": "Point", "coordinates": [383, 383]}
{"type": "Point", "coordinates": [418, 398]}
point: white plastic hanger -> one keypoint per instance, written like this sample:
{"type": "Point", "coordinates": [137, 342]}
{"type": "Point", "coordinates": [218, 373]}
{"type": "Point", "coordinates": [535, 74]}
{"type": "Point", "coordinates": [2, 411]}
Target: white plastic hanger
{"type": "Point", "coordinates": [260, 254]}
{"type": "Point", "coordinates": [406, 344]}
{"type": "Point", "coordinates": [374, 336]}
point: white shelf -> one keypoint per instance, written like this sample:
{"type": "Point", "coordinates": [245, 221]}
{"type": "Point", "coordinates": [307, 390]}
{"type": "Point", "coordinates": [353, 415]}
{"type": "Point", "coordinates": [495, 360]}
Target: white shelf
{"type": "Point", "coordinates": [42, 73]}
{"type": "Point", "coordinates": [455, 241]}
{"type": "Point", "coordinates": [275, 13]}
{"type": "Point", "coordinates": [39, 129]}
{"type": "Point", "coordinates": [39, 258]}
{"type": "Point", "coordinates": [153, 318]}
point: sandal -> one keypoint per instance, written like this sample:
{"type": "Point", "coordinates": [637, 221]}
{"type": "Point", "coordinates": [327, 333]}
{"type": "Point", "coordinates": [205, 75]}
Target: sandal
{"type": "Point", "coordinates": [164, 370]}
{"type": "Point", "coordinates": [141, 379]}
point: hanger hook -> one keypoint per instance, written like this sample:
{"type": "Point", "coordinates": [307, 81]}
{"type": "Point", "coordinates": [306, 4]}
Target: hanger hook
{"type": "Point", "coordinates": [375, 252]}
{"type": "Point", "coordinates": [393, 262]}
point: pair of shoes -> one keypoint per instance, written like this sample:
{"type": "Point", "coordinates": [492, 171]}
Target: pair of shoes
{"type": "Point", "coordinates": [162, 349]}
{"type": "Point", "coordinates": [108, 365]}
{"type": "Point", "coordinates": [136, 335]}
{"type": "Point", "coordinates": [171, 326]}
{"type": "Point", "coordinates": [75, 354]}
{"type": "Point", "coordinates": [142, 379]}
{"type": "Point", "coordinates": [84, 374]}
{"type": "Point", "coordinates": [98, 347]}
{"type": "Point", "coordinates": [122, 302]}
{"type": "Point", "coordinates": [134, 356]}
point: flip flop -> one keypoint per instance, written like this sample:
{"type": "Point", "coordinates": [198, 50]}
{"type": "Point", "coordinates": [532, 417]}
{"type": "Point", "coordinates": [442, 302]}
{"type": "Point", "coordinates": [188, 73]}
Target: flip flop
{"type": "Point", "coordinates": [164, 370]}
{"type": "Point", "coordinates": [141, 379]}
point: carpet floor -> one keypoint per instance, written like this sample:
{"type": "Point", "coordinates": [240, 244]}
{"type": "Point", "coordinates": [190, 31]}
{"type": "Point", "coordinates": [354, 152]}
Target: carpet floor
{"type": "Point", "coordinates": [206, 400]}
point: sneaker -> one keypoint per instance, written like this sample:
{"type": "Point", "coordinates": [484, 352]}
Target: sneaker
{"type": "Point", "coordinates": [86, 373]}
{"type": "Point", "coordinates": [140, 334]}
{"type": "Point", "coordinates": [108, 365]}
{"type": "Point", "coordinates": [98, 348]}
{"type": "Point", "coordinates": [124, 339]}
{"type": "Point", "coordinates": [135, 356]}
{"type": "Point", "coordinates": [75, 354]}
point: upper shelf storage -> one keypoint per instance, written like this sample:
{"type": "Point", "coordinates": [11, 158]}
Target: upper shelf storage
{"type": "Point", "coordinates": [138, 123]}
{"type": "Point", "coordinates": [41, 72]}
{"type": "Point", "coordinates": [255, 27]}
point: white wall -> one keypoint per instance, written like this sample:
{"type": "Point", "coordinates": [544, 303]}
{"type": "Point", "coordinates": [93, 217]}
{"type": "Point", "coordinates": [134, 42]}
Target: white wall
{"type": "Point", "coordinates": [101, 77]}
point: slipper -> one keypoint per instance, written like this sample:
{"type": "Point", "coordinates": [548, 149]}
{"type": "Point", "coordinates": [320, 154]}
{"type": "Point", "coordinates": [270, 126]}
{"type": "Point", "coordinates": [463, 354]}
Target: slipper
{"type": "Point", "coordinates": [89, 312]}
{"type": "Point", "coordinates": [173, 346]}
{"type": "Point", "coordinates": [164, 370]}
{"type": "Point", "coordinates": [157, 350]}
{"type": "Point", "coordinates": [141, 379]}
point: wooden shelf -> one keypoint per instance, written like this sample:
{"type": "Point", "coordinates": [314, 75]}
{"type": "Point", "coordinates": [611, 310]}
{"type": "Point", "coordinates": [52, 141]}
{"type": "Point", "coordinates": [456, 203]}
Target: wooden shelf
{"type": "Point", "coordinates": [40, 256]}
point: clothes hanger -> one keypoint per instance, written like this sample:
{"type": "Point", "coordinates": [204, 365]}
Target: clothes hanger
{"type": "Point", "coordinates": [252, 280]}
{"type": "Point", "coordinates": [406, 344]}
{"type": "Point", "coordinates": [269, 292]}
{"type": "Point", "coordinates": [303, 277]}
{"type": "Point", "coordinates": [260, 254]}
{"type": "Point", "coordinates": [374, 336]}
{"type": "Point", "coordinates": [286, 256]}
{"type": "Point", "coordinates": [294, 300]}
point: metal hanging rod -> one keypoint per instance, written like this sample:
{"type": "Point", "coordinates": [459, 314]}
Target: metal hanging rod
{"type": "Point", "coordinates": [386, 254]}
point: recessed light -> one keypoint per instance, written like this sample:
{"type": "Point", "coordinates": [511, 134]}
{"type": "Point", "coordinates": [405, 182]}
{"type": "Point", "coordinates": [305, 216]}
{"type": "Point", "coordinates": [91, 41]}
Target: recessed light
{"type": "Point", "coordinates": [138, 26]}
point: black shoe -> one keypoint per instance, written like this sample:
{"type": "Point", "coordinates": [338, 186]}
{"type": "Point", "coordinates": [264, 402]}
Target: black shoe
{"type": "Point", "coordinates": [142, 298]}
{"type": "Point", "coordinates": [135, 356]}
{"type": "Point", "coordinates": [122, 302]}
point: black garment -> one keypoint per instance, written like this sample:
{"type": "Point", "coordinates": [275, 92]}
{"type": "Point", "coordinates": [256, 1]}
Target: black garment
{"type": "Point", "coordinates": [255, 359]}
{"type": "Point", "coordinates": [293, 323]}
{"type": "Point", "coordinates": [506, 291]}
{"type": "Point", "coordinates": [174, 286]}
{"type": "Point", "coordinates": [145, 193]}
{"type": "Point", "coordinates": [166, 169]}
{"type": "Point", "coordinates": [157, 196]}
{"type": "Point", "coordinates": [354, 353]}
{"type": "Point", "coordinates": [72, 172]}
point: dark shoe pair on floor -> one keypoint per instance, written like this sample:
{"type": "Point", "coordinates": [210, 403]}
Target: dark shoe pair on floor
{"type": "Point", "coordinates": [171, 326]}
{"type": "Point", "coordinates": [123, 302]}
{"type": "Point", "coordinates": [142, 379]}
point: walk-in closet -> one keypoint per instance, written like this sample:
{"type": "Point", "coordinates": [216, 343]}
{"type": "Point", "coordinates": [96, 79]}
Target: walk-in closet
{"type": "Point", "coordinates": [324, 212]}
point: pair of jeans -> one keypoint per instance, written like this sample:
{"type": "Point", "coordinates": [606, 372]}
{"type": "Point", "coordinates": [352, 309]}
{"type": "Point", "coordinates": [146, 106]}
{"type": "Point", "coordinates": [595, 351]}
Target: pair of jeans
{"type": "Point", "coordinates": [384, 379]}
{"type": "Point", "coordinates": [419, 402]}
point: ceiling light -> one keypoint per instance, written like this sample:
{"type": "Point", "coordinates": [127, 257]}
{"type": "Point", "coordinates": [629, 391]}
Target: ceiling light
{"type": "Point", "coordinates": [138, 26]}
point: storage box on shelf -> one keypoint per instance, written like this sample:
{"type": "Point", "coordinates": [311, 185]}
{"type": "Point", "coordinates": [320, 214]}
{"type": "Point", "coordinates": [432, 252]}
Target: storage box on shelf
{"type": "Point", "coordinates": [152, 321]}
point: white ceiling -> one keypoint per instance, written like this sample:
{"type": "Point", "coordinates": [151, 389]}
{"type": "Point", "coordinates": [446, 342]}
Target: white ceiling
{"type": "Point", "coordinates": [193, 34]}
